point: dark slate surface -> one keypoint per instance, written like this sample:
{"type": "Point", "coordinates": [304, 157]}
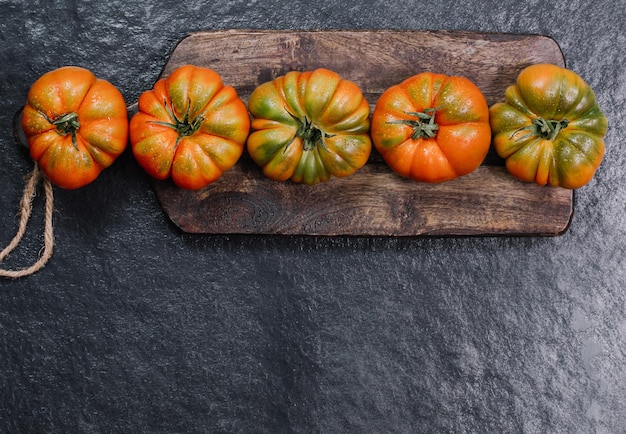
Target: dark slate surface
{"type": "Point", "coordinates": [136, 327]}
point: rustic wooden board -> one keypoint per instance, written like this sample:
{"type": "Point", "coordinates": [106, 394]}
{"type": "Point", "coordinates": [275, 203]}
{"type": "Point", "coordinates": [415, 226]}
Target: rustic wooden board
{"type": "Point", "coordinates": [374, 201]}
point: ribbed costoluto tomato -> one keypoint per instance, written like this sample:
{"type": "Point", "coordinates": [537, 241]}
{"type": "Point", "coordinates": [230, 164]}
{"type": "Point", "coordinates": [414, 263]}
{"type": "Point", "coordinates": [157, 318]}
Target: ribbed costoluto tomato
{"type": "Point", "coordinates": [550, 129]}
{"type": "Point", "coordinates": [76, 125]}
{"type": "Point", "coordinates": [309, 126]}
{"type": "Point", "coordinates": [190, 127]}
{"type": "Point", "coordinates": [432, 127]}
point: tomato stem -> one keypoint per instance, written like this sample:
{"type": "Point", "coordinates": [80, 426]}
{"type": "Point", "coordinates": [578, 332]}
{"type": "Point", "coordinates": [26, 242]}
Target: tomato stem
{"type": "Point", "coordinates": [65, 124]}
{"type": "Point", "coordinates": [547, 129]}
{"type": "Point", "coordinates": [424, 125]}
{"type": "Point", "coordinates": [184, 127]}
{"type": "Point", "coordinates": [310, 134]}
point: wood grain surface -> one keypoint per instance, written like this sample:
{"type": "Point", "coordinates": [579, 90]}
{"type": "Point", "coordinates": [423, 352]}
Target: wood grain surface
{"type": "Point", "coordinates": [374, 201]}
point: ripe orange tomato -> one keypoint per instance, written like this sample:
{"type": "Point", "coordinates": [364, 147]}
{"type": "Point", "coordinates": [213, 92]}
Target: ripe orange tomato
{"type": "Point", "coordinates": [432, 127]}
{"type": "Point", "coordinates": [190, 127]}
{"type": "Point", "coordinates": [76, 125]}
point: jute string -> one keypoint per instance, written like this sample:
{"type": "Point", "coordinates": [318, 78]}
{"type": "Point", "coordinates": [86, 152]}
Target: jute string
{"type": "Point", "coordinates": [26, 205]}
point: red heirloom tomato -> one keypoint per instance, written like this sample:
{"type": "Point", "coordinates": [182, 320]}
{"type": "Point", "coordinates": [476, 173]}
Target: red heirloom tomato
{"type": "Point", "coordinates": [432, 127]}
{"type": "Point", "coordinates": [190, 127]}
{"type": "Point", "coordinates": [76, 125]}
{"type": "Point", "coordinates": [309, 126]}
{"type": "Point", "coordinates": [550, 129]}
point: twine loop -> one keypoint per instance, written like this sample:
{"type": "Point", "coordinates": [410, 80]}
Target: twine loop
{"type": "Point", "coordinates": [26, 206]}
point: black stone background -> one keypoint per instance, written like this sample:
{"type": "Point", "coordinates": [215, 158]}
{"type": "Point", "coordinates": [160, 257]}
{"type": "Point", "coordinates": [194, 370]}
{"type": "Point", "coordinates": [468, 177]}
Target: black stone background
{"type": "Point", "coordinates": [134, 326]}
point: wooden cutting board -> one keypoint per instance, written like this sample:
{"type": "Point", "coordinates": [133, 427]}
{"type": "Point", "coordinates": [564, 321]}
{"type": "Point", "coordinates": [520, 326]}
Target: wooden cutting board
{"type": "Point", "coordinates": [374, 201]}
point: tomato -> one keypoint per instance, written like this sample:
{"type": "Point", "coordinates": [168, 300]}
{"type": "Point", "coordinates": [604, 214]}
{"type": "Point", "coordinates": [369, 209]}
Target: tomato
{"type": "Point", "coordinates": [432, 127]}
{"type": "Point", "coordinates": [76, 125]}
{"type": "Point", "coordinates": [550, 129]}
{"type": "Point", "coordinates": [309, 126]}
{"type": "Point", "coordinates": [190, 127]}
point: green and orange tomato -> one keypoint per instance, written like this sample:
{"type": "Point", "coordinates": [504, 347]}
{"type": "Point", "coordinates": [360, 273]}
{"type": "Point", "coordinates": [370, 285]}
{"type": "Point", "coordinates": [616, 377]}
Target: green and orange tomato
{"type": "Point", "coordinates": [308, 127]}
{"type": "Point", "coordinates": [550, 129]}
{"type": "Point", "coordinates": [76, 125]}
{"type": "Point", "coordinates": [190, 127]}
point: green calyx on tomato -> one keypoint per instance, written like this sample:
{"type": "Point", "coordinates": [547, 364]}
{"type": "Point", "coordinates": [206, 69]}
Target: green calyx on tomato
{"type": "Point", "coordinates": [184, 127]}
{"type": "Point", "coordinates": [424, 126]}
{"type": "Point", "coordinates": [65, 124]}
{"type": "Point", "coordinates": [68, 124]}
{"type": "Point", "coordinates": [311, 135]}
{"type": "Point", "coordinates": [544, 128]}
